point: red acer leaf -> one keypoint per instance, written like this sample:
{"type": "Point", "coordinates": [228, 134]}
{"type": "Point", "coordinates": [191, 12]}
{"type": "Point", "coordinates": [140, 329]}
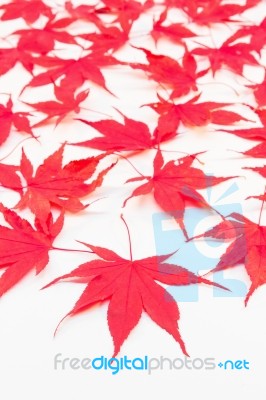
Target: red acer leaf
{"type": "Point", "coordinates": [23, 247]}
{"type": "Point", "coordinates": [175, 32]}
{"type": "Point", "coordinates": [55, 185]}
{"type": "Point", "coordinates": [191, 114]}
{"type": "Point", "coordinates": [204, 12]}
{"type": "Point", "coordinates": [257, 34]}
{"type": "Point", "coordinates": [166, 70]}
{"type": "Point", "coordinates": [261, 112]}
{"type": "Point", "coordinates": [131, 286]}
{"type": "Point", "coordinates": [235, 57]}
{"type": "Point", "coordinates": [262, 197]}
{"type": "Point", "coordinates": [85, 12]}
{"type": "Point", "coordinates": [73, 73]}
{"type": "Point", "coordinates": [175, 184]}
{"type": "Point", "coordinates": [125, 11]}
{"type": "Point", "coordinates": [259, 91]}
{"type": "Point", "coordinates": [10, 57]}
{"type": "Point", "coordinates": [9, 177]}
{"type": "Point", "coordinates": [259, 170]}
{"type": "Point", "coordinates": [9, 119]}
{"type": "Point", "coordinates": [248, 246]}
{"type": "Point", "coordinates": [61, 108]}
{"type": "Point", "coordinates": [225, 117]}
{"type": "Point", "coordinates": [258, 151]}
{"type": "Point", "coordinates": [41, 41]}
{"type": "Point", "coordinates": [110, 38]}
{"type": "Point", "coordinates": [171, 114]}
{"type": "Point", "coordinates": [29, 10]}
{"type": "Point", "coordinates": [251, 133]}
{"type": "Point", "coordinates": [132, 135]}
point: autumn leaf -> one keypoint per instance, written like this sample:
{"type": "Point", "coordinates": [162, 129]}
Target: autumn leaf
{"type": "Point", "coordinates": [256, 33]}
{"type": "Point", "coordinates": [247, 246]}
{"type": "Point", "coordinates": [258, 151]}
{"type": "Point", "coordinates": [259, 170]}
{"type": "Point", "coordinates": [166, 70]}
{"type": "Point", "coordinates": [10, 57]}
{"type": "Point", "coordinates": [86, 12]}
{"type": "Point", "coordinates": [73, 73]}
{"type": "Point", "coordinates": [131, 286]}
{"type": "Point", "coordinates": [23, 247]}
{"type": "Point", "coordinates": [9, 119]}
{"type": "Point", "coordinates": [125, 11]}
{"type": "Point", "coordinates": [191, 114]}
{"type": "Point", "coordinates": [171, 114]}
{"type": "Point", "coordinates": [174, 185]}
{"type": "Point", "coordinates": [9, 177]}
{"type": "Point", "coordinates": [110, 38]}
{"type": "Point", "coordinates": [41, 41]}
{"type": "Point", "coordinates": [235, 57]}
{"type": "Point", "coordinates": [55, 185]}
{"type": "Point", "coordinates": [66, 104]}
{"type": "Point", "coordinates": [259, 91]}
{"type": "Point", "coordinates": [249, 133]}
{"type": "Point", "coordinates": [175, 32]}
{"type": "Point", "coordinates": [132, 135]}
{"type": "Point", "coordinates": [29, 10]}
{"type": "Point", "coordinates": [205, 13]}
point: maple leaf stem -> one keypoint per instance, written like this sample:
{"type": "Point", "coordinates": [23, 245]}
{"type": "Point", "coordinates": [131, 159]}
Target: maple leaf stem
{"type": "Point", "coordinates": [132, 165]}
{"type": "Point", "coordinates": [262, 205]}
{"type": "Point", "coordinates": [165, 89]}
{"type": "Point", "coordinates": [129, 237]}
{"type": "Point", "coordinates": [212, 38]}
{"type": "Point", "coordinates": [219, 83]}
{"type": "Point", "coordinates": [75, 250]}
{"type": "Point", "coordinates": [180, 152]}
{"type": "Point", "coordinates": [97, 112]}
{"type": "Point", "coordinates": [12, 151]}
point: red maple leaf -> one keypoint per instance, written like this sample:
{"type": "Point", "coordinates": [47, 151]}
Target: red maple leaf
{"type": "Point", "coordinates": [110, 38]}
{"type": "Point", "coordinates": [23, 247]}
{"type": "Point", "coordinates": [204, 12]}
{"type": "Point", "coordinates": [9, 118]}
{"type": "Point", "coordinates": [29, 10]}
{"type": "Point", "coordinates": [175, 32]}
{"type": "Point", "coordinates": [131, 286]}
{"type": "Point", "coordinates": [132, 135]}
{"type": "Point", "coordinates": [250, 133]}
{"type": "Point", "coordinates": [175, 184]}
{"type": "Point", "coordinates": [258, 151]}
{"type": "Point", "coordinates": [191, 114]}
{"type": "Point", "coordinates": [73, 73]}
{"type": "Point", "coordinates": [166, 70]}
{"type": "Point", "coordinates": [10, 57]}
{"type": "Point", "coordinates": [259, 170]}
{"type": "Point", "coordinates": [257, 35]}
{"type": "Point", "coordinates": [262, 197]}
{"type": "Point", "coordinates": [54, 185]}
{"type": "Point", "coordinates": [9, 177]}
{"type": "Point", "coordinates": [89, 13]}
{"type": "Point", "coordinates": [66, 104]}
{"type": "Point", "coordinates": [41, 41]}
{"type": "Point", "coordinates": [248, 247]}
{"type": "Point", "coordinates": [235, 57]}
{"type": "Point", "coordinates": [261, 112]}
{"type": "Point", "coordinates": [125, 11]}
{"type": "Point", "coordinates": [259, 91]}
